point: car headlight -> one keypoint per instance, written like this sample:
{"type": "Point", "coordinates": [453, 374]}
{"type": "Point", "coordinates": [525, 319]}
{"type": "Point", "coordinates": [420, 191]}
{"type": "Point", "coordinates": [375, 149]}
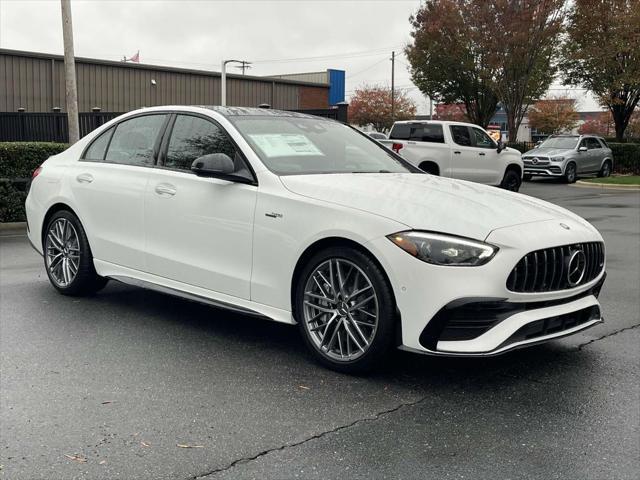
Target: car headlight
{"type": "Point", "coordinates": [557, 159]}
{"type": "Point", "coordinates": [440, 249]}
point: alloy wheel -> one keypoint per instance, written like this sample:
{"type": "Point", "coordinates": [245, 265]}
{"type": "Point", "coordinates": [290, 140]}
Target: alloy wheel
{"type": "Point", "coordinates": [62, 252]}
{"type": "Point", "coordinates": [340, 309]}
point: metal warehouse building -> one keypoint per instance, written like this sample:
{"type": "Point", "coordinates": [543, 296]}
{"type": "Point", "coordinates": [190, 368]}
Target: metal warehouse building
{"type": "Point", "coordinates": [35, 82]}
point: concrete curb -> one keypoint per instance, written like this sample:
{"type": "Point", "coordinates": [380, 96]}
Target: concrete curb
{"type": "Point", "coordinates": [608, 186]}
{"type": "Point", "coordinates": [13, 228]}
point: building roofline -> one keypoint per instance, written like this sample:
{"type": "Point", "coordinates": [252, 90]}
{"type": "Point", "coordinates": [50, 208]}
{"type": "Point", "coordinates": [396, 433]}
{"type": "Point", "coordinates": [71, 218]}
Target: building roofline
{"type": "Point", "coordinates": [164, 68]}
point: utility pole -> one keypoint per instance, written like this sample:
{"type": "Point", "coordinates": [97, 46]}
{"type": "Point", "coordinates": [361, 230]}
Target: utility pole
{"type": "Point", "coordinates": [223, 79]}
{"type": "Point", "coordinates": [393, 87]}
{"type": "Point", "coordinates": [245, 66]}
{"type": "Point", "coordinates": [70, 73]}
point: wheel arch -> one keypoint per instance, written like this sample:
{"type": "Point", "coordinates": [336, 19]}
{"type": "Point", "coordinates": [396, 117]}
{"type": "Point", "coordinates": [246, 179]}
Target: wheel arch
{"type": "Point", "coordinates": [430, 166]}
{"type": "Point", "coordinates": [56, 207]}
{"type": "Point", "coordinates": [336, 241]}
{"type": "Point", "coordinates": [515, 167]}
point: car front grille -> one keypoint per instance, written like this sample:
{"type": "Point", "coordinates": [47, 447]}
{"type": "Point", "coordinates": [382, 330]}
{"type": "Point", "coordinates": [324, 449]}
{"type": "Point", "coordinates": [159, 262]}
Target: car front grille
{"type": "Point", "coordinates": [557, 268]}
{"type": "Point", "coordinates": [536, 160]}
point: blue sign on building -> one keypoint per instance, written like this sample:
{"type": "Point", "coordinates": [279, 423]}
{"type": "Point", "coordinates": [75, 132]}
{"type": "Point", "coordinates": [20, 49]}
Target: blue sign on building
{"type": "Point", "coordinates": [336, 86]}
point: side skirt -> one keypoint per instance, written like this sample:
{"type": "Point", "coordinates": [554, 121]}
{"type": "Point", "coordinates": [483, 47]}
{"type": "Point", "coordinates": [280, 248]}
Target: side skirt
{"type": "Point", "coordinates": [191, 292]}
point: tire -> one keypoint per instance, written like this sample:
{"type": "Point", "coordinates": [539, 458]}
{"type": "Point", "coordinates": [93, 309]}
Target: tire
{"type": "Point", "coordinates": [336, 331]}
{"type": "Point", "coordinates": [527, 177]}
{"type": "Point", "coordinates": [511, 181]}
{"type": "Point", "coordinates": [605, 171]}
{"type": "Point", "coordinates": [570, 175]}
{"type": "Point", "coordinates": [67, 256]}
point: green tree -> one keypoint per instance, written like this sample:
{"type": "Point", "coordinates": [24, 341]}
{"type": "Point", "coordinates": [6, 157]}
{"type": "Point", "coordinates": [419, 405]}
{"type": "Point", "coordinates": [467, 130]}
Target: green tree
{"type": "Point", "coordinates": [523, 38]}
{"type": "Point", "coordinates": [371, 105]}
{"type": "Point", "coordinates": [602, 53]}
{"type": "Point", "coordinates": [449, 60]}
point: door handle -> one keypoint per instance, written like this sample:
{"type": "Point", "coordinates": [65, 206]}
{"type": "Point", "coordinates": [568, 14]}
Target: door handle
{"type": "Point", "coordinates": [482, 154]}
{"type": "Point", "coordinates": [165, 189]}
{"type": "Point", "coordinates": [84, 178]}
{"type": "Point", "coordinates": [457, 152]}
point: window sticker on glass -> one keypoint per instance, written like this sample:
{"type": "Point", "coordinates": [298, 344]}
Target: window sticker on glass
{"type": "Point", "coordinates": [285, 145]}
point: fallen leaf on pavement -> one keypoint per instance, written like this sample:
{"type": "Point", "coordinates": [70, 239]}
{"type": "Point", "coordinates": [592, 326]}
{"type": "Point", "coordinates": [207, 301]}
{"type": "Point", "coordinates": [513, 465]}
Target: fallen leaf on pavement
{"type": "Point", "coordinates": [182, 445]}
{"type": "Point", "coordinates": [76, 458]}
{"type": "Point", "coordinates": [102, 462]}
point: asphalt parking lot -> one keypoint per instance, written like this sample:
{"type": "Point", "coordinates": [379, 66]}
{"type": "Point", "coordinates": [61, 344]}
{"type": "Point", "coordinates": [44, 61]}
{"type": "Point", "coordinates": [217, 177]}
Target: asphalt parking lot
{"type": "Point", "coordinates": [134, 384]}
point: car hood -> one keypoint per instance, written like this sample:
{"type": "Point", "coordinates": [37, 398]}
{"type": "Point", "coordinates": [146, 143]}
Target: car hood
{"type": "Point", "coordinates": [547, 152]}
{"type": "Point", "coordinates": [427, 202]}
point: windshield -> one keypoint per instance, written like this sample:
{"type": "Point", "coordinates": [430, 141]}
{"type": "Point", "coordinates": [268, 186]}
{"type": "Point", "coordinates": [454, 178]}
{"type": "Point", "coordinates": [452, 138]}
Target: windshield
{"type": "Point", "coordinates": [559, 142]}
{"type": "Point", "coordinates": [297, 146]}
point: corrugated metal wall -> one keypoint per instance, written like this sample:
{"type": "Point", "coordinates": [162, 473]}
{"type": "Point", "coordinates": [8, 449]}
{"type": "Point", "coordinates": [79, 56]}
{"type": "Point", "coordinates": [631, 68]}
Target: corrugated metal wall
{"type": "Point", "coordinates": [312, 77]}
{"type": "Point", "coordinates": [36, 82]}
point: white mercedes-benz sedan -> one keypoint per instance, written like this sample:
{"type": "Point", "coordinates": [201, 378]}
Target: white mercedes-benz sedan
{"type": "Point", "coordinates": [307, 221]}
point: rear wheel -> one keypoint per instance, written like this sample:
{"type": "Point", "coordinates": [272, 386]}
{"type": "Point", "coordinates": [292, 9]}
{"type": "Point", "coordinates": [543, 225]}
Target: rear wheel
{"type": "Point", "coordinates": [511, 181]}
{"type": "Point", "coordinates": [345, 310]}
{"type": "Point", "coordinates": [570, 175]}
{"type": "Point", "coordinates": [605, 171]}
{"type": "Point", "coordinates": [67, 256]}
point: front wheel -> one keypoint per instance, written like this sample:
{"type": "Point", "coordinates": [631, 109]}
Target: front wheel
{"type": "Point", "coordinates": [511, 181]}
{"type": "Point", "coordinates": [570, 175]}
{"type": "Point", "coordinates": [67, 256]}
{"type": "Point", "coordinates": [345, 310]}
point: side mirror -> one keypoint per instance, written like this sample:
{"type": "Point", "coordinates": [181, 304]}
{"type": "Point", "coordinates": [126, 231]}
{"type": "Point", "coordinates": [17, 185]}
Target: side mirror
{"type": "Point", "coordinates": [213, 165]}
{"type": "Point", "coordinates": [582, 149]}
{"type": "Point", "coordinates": [501, 146]}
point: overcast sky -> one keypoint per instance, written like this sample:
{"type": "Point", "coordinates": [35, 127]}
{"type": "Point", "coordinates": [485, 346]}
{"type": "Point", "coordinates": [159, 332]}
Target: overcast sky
{"type": "Point", "coordinates": [278, 36]}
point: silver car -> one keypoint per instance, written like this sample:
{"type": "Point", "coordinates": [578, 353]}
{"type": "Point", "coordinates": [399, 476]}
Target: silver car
{"type": "Point", "coordinates": [568, 156]}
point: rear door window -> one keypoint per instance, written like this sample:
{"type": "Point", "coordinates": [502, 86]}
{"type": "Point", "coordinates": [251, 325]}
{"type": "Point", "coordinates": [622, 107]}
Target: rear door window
{"type": "Point", "coordinates": [593, 143]}
{"type": "Point", "coordinates": [426, 132]}
{"type": "Point", "coordinates": [134, 141]}
{"type": "Point", "coordinates": [461, 135]}
{"type": "Point", "coordinates": [97, 149]}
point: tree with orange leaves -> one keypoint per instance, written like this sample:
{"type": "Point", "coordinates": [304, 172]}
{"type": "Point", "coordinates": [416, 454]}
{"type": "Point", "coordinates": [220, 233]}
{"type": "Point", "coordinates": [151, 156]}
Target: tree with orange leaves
{"type": "Point", "coordinates": [371, 105]}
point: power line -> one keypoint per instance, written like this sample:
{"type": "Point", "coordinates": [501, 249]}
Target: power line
{"type": "Point", "coordinates": [351, 75]}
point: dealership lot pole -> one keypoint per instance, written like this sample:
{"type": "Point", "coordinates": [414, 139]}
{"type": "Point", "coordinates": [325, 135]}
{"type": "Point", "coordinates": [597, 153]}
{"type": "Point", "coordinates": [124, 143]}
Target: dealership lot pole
{"type": "Point", "coordinates": [70, 73]}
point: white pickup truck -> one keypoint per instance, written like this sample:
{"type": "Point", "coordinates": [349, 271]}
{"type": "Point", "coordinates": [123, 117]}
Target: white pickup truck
{"type": "Point", "coordinates": [457, 150]}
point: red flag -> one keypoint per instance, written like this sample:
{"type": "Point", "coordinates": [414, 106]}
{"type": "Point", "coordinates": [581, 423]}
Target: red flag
{"type": "Point", "coordinates": [135, 58]}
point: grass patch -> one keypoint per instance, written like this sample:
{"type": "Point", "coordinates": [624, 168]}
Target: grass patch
{"type": "Point", "coordinates": [616, 180]}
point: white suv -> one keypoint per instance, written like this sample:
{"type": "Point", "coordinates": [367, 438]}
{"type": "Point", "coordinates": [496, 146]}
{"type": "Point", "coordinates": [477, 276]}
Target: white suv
{"type": "Point", "coordinates": [457, 150]}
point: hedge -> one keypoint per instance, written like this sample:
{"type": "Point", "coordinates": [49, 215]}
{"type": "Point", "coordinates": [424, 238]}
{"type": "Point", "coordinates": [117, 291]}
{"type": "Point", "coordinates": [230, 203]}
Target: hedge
{"type": "Point", "coordinates": [18, 160]}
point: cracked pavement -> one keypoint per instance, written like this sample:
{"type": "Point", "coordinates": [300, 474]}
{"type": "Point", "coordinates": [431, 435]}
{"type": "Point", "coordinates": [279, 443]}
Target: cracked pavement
{"type": "Point", "coordinates": [109, 386]}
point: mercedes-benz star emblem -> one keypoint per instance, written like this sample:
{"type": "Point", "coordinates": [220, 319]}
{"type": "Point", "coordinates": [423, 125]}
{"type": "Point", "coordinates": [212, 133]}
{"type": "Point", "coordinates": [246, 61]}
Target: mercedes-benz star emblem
{"type": "Point", "coordinates": [576, 267]}
{"type": "Point", "coordinates": [535, 160]}
{"type": "Point", "coordinates": [565, 226]}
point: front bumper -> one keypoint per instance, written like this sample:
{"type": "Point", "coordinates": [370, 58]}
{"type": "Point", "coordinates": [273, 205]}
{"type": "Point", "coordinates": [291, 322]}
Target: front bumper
{"type": "Point", "coordinates": [433, 301]}
{"type": "Point", "coordinates": [550, 170]}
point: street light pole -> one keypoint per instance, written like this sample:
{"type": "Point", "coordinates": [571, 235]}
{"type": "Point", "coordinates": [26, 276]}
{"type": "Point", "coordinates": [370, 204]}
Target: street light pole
{"type": "Point", "coordinates": [223, 79]}
{"type": "Point", "coordinates": [393, 87]}
{"type": "Point", "coordinates": [71, 89]}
